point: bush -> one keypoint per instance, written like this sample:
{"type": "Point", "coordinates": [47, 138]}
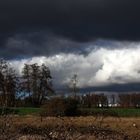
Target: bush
{"type": "Point", "coordinates": [60, 107]}
{"type": "Point", "coordinates": [54, 107]}
{"type": "Point", "coordinates": [71, 107]}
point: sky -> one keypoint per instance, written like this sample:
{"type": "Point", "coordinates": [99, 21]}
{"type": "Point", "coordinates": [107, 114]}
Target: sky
{"type": "Point", "coordinates": [99, 40]}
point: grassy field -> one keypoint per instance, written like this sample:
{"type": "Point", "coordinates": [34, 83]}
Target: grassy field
{"type": "Point", "coordinates": [27, 111]}
{"type": "Point", "coordinates": [21, 111]}
{"type": "Point", "coordinates": [121, 112]}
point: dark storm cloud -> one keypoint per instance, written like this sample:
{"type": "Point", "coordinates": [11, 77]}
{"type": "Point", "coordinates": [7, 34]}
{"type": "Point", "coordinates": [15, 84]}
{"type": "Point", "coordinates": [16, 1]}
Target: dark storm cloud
{"type": "Point", "coordinates": [64, 34]}
{"type": "Point", "coordinates": [80, 20]}
{"type": "Point", "coordinates": [39, 44]}
{"type": "Point", "coordinates": [130, 87]}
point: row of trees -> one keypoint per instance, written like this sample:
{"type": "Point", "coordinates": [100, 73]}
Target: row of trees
{"type": "Point", "coordinates": [93, 100]}
{"type": "Point", "coordinates": [33, 85]}
{"type": "Point", "coordinates": [88, 104]}
{"type": "Point", "coordinates": [101, 100]}
{"type": "Point", "coordinates": [129, 100]}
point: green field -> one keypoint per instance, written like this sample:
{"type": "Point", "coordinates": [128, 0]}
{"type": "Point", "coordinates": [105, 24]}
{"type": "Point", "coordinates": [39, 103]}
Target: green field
{"type": "Point", "coordinates": [27, 111]}
{"type": "Point", "coordinates": [122, 112]}
{"type": "Point", "coordinates": [21, 111]}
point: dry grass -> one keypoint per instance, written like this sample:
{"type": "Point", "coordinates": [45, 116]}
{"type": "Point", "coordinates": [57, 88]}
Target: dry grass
{"type": "Point", "coordinates": [114, 123]}
{"type": "Point", "coordinates": [74, 128]}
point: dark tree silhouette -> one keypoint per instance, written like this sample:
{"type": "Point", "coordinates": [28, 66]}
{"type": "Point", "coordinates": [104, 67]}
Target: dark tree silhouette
{"type": "Point", "coordinates": [124, 100]}
{"type": "Point", "coordinates": [36, 82]}
{"type": "Point", "coordinates": [94, 100]}
{"type": "Point", "coordinates": [8, 84]}
{"type": "Point", "coordinates": [26, 81]}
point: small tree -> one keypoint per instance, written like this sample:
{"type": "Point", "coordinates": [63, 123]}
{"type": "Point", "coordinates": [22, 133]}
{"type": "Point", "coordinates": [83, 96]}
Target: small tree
{"type": "Point", "coordinates": [73, 85]}
{"type": "Point", "coordinates": [60, 107]}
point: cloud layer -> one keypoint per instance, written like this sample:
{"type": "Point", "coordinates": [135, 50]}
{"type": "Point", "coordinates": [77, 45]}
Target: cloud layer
{"type": "Point", "coordinates": [101, 66]}
{"type": "Point", "coordinates": [97, 39]}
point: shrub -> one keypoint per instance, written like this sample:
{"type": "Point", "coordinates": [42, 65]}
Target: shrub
{"type": "Point", "coordinates": [60, 107]}
{"type": "Point", "coordinates": [54, 107]}
{"type": "Point", "coordinates": [71, 107]}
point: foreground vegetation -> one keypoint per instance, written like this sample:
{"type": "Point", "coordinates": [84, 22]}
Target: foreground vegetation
{"type": "Point", "coordinates": [84, 117]}
{"type": "Point", "coordinates": [69, 128]}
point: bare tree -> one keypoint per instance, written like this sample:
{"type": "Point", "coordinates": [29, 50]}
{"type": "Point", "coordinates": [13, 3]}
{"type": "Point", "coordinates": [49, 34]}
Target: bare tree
{"type": "Point", "coordinates": [8, 84]}
{"type": "Point", "coordinates": [135, 99]}
{"type": "Point", "coordinates": [129, 100]}
{"type": "Point", "coordinates": [103, 100]}
{"type": "Point", "coordinates": [124, 100]}
{"type": "Point", "coordinates": [74, 82]}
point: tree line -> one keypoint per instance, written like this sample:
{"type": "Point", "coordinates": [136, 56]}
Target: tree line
{"type": "Point", "coordinates": [124, 100]}
{"type": "Point", "coordinates": [34, 84]}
